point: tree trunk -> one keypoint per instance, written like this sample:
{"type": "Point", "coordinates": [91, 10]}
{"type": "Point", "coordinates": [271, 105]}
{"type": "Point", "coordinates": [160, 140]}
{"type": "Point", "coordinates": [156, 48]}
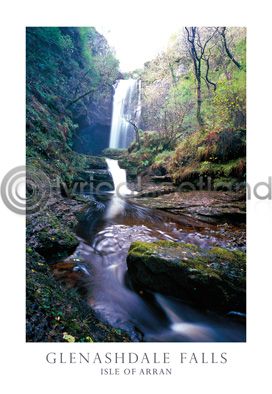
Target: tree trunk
{"type": "Point", "coordinates": [199, 101]}
{"type": "Point", "coordinates": [137, 135]}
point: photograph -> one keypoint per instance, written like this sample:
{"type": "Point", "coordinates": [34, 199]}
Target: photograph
{"type": "Point", "coordinates": [135, 196]}
{"type": "Point", "coordinates": [135, 183]}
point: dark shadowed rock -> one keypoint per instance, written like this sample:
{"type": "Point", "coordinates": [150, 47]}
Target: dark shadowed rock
{"type": "Point", "coordinates": [213, 278]}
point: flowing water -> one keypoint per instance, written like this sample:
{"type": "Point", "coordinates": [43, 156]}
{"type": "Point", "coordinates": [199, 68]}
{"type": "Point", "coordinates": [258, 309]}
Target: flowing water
{"type": "Point", "coordinates": [119, 177]}
{"type": "Point", "coordinates": [126, 109]}
{"type": "Point", "coordinates": [111, 224]}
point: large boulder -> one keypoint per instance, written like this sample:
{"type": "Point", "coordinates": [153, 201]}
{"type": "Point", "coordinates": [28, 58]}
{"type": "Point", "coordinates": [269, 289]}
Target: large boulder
{"type": "Point", "coordinates": [214, 278]}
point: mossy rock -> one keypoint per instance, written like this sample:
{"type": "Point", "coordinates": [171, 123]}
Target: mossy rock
{"type": "Point", "coordinates": [96, 162]}
{"type": "Point", "coordinates": [55, 313]}
{"type": "Point", "coordinates": [57, 243]}
{"type": "Point", "coordinates": [52, 237]}
{"type": "Point", "coordinates": [214, 278]}
{"type": "Point", "coordinates": [113, 153]}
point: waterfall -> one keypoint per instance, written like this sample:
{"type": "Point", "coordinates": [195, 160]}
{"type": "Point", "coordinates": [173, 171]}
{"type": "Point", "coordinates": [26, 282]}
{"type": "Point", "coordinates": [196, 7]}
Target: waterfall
{"type": "Point", "coordinates": [126, 107]}
{"type": "Point", "coordinates": [119, 177]}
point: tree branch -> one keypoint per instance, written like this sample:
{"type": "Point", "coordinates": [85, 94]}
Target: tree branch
{"type": "Point", "coordinates": [228, 52]}
{"type": "Point", "coordinates": [79, 98]}
{"type": "Point", "coordinates": [136, 129]}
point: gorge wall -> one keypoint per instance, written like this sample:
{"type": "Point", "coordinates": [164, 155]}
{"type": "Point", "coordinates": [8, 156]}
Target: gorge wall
{"type": "Point", "coordinates": [70, 73]}
{"type": "Point", "coordinates": [93, 115]}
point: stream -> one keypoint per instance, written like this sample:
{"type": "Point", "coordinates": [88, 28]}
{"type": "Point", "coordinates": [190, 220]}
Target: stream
{"type": "Point", "coordinates": [110, 225]}
{"type": "Point", "coordinates": [112, 222]}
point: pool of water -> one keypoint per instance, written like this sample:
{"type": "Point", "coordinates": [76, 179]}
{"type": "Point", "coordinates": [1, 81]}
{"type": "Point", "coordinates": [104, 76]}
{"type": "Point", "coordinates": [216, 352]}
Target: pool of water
{"type": "Point", "coordinates": [110, 225]}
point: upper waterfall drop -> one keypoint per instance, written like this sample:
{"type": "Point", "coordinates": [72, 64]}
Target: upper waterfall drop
{"type": "Point", "coordinates": [126, 108]}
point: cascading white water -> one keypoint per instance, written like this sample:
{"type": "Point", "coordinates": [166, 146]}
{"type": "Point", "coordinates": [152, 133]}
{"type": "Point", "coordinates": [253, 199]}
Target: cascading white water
{"type": "Point", "coordinates": [126, 109]}
{"type": "Point", "coordinates": [119, 177]}
{"type": "Point", "coordinates": [200, 331]}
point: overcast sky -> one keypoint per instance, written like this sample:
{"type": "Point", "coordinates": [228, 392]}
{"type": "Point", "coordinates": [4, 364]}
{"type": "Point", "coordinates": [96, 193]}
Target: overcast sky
{"type": "Point", "coordinates": [136, 43]}
{"type": "Point", "coordinates": [138, 30]}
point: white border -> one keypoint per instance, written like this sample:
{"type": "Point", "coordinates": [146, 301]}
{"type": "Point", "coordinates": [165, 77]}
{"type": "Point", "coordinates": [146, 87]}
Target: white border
{"type": "Point", "coordinates": [24, 365]}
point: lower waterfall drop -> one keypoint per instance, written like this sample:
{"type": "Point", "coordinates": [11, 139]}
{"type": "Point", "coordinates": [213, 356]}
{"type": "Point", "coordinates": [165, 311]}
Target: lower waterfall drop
{"type": "Point", "coordinates": [119, 177]}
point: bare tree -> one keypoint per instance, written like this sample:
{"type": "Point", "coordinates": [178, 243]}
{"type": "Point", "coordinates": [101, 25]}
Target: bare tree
{"type": "Point", "coordinates": [200, 53]}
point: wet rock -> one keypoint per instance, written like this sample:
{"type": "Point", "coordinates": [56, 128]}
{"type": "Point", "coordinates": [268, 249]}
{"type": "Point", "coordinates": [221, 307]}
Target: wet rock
{"type": "Point", "coordinates": [213, 278]}
{"type": "Point", "coordinates": [208, 206]}
{"type": "Point", "coordinates": [56, 243]}
{"type": "Point", "coordinates": [51, 232]}
{"type": "Point", "coordinates": [237, 316]}
{"type": "Point", "coordinates": [96, 162]}
{"type": "Point", "coordinates": [153, 190]}
{"type": "Point", "coordinates": [93, 178]}
{"type": "Point", "coordinates": [161, 178]}
{"type": "Point", "coordinates": [53, 307]}
{"type": "Point", "coordinates": [72, 272]}
{"type": "Point", "coordinates": [94, 181]}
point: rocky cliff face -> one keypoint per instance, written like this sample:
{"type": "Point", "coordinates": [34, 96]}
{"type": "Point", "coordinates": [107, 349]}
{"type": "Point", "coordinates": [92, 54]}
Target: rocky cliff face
{"type": "Point", "coordinates": [70, 73]}
{"type": "Point", "coordinates": [94, 121]}
{"type": "Point", "coordinates": [94, 112]}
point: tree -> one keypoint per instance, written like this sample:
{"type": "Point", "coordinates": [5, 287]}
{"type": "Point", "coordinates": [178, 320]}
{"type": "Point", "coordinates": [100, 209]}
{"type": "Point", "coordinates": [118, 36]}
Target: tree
{"type": "Point", "coordinates": [222, 32]}
{"type": "Point", "coordinates": [195, 82]}
{"type": "Point", "coordinates": [136, 130]}
{"type": "Point", "coordinates": [200, 53]}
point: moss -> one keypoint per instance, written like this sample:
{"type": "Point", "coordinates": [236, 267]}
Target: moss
{"type": "Point", "coordinates": [155, 245]}
{"type": "Point", "coordinates": [54, 311]}
{"type": "Point", "coordinates": [51, 236]}
{"type": "Point", "coordinates": [235, 256]}
{"type": "Point", "coordinates": [216, 153]}
{"type": "Point", "coordinates": [213, 278]}
{"type": "Point", "coordinates": [225, 169]}
{"type": "Point", "coordinates": [112, 153]}
{"type": "Point", "coordinates": [225, 175]}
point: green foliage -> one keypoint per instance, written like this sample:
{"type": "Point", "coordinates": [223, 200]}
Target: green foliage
{"type": "Point", "coordinates": [180, 103]}
{"type": "Point", "coordinates": [162, 157]}
{"type": "Point", "coordinates": [229, 101]}
{"type": "Point", "coordinates": [150, 155]}
{"type": "Point", "coordinates": [85, 34]}
{"type": "Point", "coordinates": [211, 153]}
{"type": "Point", "coordinates": [169, 87]}
{"type": "Point", "coordinates": [62, 64]}
{"type": "Point", "coordinates": [68, 338]}
{"type": "Point", "coordinates": [180, 147]}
